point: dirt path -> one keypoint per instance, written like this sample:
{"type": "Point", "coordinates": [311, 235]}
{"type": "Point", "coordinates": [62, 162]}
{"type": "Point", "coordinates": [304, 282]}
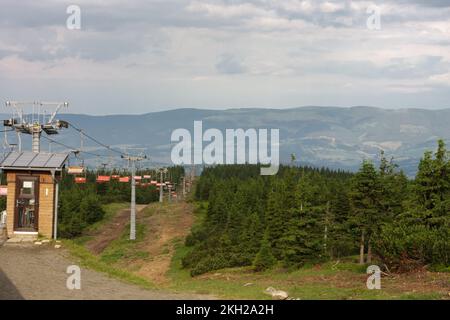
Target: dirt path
{"type": "Point", "coordinates": [39, 272]}
{"type": "Point", "coordinates": [111, 230]}
{"type": "Point", "coordinates": [166, 224]}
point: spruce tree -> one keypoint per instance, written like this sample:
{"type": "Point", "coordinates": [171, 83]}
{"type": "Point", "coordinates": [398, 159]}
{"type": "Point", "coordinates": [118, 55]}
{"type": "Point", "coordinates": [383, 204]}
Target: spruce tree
{"type": "Point", "coordinates": [264, 259]}
{"type": "Point", "coordinates": [365, 198]}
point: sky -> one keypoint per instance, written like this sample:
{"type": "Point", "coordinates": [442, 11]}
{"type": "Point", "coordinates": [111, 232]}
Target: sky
{"type": "Point", "coordinates": [144, 56]}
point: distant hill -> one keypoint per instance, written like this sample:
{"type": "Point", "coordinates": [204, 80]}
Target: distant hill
{"type": "Point", "coordinates": [319, 136]}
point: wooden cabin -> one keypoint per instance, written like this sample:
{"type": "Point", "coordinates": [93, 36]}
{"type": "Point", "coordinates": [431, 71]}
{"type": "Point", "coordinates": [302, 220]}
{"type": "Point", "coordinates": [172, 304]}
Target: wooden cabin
{"type": "Point", "coordinates": [32, 193]}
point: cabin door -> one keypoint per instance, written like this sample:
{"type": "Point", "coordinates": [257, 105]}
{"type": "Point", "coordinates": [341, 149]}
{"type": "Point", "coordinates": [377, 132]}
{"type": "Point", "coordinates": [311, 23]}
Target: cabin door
{"type": "Point", "coordinates": [27, 207]}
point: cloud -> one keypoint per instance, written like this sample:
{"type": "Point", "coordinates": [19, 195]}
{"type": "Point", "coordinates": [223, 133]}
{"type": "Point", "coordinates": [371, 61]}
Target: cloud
{"type": "Point", "coordinates": [441, 79]}
{"type": "Point", "coordinates": [229, 64]}
{"type": "Point", "coordinates": [222, 10]}
{"type": "Point", "coordinates": [428, 3]}
{"type": "Point", "coordinates": [331, 7]}
{"type": "Point", "coordinates": [182, 53]}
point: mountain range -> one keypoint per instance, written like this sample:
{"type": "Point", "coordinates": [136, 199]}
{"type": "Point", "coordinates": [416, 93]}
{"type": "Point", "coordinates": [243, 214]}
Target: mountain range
{"type": "Point", "coordinates": [334, 137]}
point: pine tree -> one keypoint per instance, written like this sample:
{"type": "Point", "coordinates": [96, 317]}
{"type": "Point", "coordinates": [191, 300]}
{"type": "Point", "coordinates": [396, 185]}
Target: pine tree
{"type": "Point", "coordinates": [432, 186]}
{"type": "Point", "coordinates": [393, 185]}
{"type": "Point", "coordinates": [365, 202]}
{"type": "Point", "coordinates": [276, 218]}
{"type": "Point", "coordinates": [264, 259]}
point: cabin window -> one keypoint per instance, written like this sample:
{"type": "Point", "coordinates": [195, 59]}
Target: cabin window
{"type": "Point", "coordinates": [27, 188]}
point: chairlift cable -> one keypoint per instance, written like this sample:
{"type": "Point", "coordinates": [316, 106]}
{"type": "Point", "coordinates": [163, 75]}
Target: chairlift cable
{"type": "Point", "coordinates": [94, 139]}
{"type": "Point", "coordinates": [71, 148]}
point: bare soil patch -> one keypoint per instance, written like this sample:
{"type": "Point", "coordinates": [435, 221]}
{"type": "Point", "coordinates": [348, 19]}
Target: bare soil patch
{"type": "Point", "coordinates": [111, 230]}
{"type": "Point", "coordinates": [166, 225]}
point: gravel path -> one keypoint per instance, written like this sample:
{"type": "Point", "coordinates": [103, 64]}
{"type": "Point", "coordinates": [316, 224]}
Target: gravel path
{"type": "Point", "coordinates": [39, 272]}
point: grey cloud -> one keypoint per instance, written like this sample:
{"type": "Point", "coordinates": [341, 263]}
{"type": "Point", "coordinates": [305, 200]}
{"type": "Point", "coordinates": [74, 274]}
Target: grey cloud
{"type": "Point", "coordinates": [229, 64]}
{"type": "Point", "coordinates": [110, 31]}
{"type": "Point", "coordinates": [398, 68]}
{"type": "Point", "coordinates": [186, 42]}
{"type": "Point", "coordinates": [428, 3]}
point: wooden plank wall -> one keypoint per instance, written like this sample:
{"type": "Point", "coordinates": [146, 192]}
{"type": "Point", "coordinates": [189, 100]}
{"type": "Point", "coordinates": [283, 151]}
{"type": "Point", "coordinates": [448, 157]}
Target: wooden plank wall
{"type": "Point", "coordinates": [47, 198]}
{"type": "Point", "coordinates": [46, 203]}
{"type": "Point", "coordinates": [10, 202]}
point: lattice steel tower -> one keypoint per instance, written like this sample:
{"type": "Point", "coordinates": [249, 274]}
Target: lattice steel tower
{"type": "Point", "coordinates": [40, 119]}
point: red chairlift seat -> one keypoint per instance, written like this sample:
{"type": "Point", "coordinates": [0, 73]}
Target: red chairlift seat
{"type": "Point", "coordinates": [80, 180]}
{"type": "Point", "coordinates": [78, 172]}
{"type": "Point", "coordinates": [103, 179]}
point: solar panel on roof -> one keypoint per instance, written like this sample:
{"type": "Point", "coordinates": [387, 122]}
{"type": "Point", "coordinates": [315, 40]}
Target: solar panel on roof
{"type": "Point", "coordinates": [10, 158]}
{"type": "Point", "coordinates": [56, 160]}
{"type": "Point", "coordinates": [34, 160]}
{"type": "Point", "coordinates": [40, 160]}
{"type": "Point", "coordinates": [24, 159]}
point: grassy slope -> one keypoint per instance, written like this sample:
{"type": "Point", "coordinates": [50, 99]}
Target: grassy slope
{"type": "Point", "coordinates": [333, 280]}
{"type": "Point", "coordinates": [114, 252]}
{"type": "Point", "coordinates": [111, 209]}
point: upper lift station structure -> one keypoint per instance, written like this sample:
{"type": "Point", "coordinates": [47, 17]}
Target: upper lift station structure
{"type": "Point", "coordinates": [35, 122]}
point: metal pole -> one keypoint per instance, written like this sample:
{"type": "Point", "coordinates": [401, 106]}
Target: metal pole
{"type": "Point", "coordinates": [161, 187]}
{"type": "Point", "coordinates": [133, 202]}
{"type": "Point", "coordinates": [19, 138]}
{"type": "Point", "coordinates": [36, 134]}
{"type": "Point", "coordinates": [132, 161]}
{"type": "Point", "coordinates": [184, 187]}
{"type": "Point", "coordinates": [55, 230]}
{"type": "Point", "coordinates": [170, 193]}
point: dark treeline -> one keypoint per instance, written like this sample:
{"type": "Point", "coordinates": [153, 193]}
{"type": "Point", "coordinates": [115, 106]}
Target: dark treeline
{"type": "Point", "coordinates": [305, 215]}
{"type": "Point", "coordinates": [80, 205]}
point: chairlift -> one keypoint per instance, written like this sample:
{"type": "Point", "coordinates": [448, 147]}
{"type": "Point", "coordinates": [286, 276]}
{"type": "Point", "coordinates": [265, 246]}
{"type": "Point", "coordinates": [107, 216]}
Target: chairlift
{"type": "Point", "coordinates": [75, 170]}
{"type": "Point", "coordinates": [78, 170]}
{"type": "Point", "coordinates": [103, 179]}
{"type": "Point", "coordinates": [80, 180]}
{"type": "Point", "coordinates": [124, 179]}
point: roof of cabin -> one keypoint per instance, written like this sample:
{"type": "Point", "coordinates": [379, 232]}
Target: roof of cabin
{"type": "Point", "coordinates": [28, 160]}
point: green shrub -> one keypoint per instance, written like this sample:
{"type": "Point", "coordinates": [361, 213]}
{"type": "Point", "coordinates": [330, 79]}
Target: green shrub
{"type": "Point", "coordinates": [264, 259]}
{"type": "Point", "coordinates": [406, 247]}
{"type": "Point", "coordinates": [210, 263]}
